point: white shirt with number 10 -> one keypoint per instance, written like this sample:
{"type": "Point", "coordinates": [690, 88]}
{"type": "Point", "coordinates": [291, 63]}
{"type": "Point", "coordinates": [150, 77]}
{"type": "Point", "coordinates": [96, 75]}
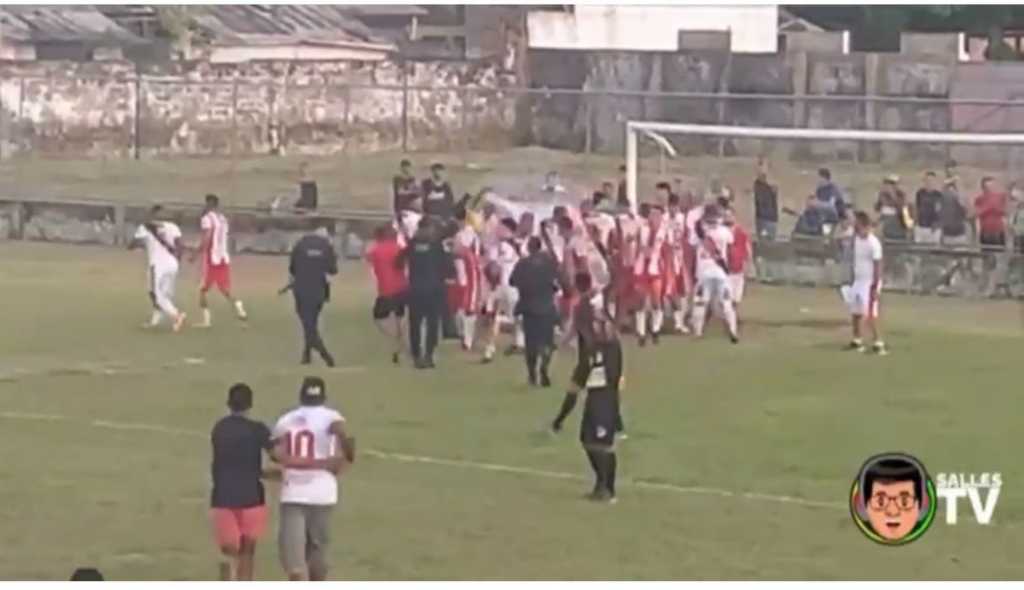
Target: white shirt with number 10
{"type": "Point", "coordinates": [306, 432]}
{"type": "Point", "coordinates": [866, 251]}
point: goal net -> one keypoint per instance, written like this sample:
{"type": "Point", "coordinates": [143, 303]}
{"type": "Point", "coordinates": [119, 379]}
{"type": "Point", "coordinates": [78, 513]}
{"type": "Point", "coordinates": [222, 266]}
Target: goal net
{"type": "Point", "coordinates": [698, 159]}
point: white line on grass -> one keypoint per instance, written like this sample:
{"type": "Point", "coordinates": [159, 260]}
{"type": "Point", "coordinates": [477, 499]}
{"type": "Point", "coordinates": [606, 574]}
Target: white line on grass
{"type": "Point", "coordinates": [492, 467]}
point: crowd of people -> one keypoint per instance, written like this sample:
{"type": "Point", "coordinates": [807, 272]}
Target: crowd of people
{"type": "Point", "coordinates": [939, 213]}
{"type": "Point", "coordinates": [464, 270]}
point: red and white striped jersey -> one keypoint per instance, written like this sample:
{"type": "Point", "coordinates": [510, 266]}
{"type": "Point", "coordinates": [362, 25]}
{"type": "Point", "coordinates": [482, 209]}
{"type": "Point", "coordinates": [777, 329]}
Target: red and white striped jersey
{"type": "Point", "coordinates": [651, 241]}
{"type": "Point", "coordinates": [215, 226]}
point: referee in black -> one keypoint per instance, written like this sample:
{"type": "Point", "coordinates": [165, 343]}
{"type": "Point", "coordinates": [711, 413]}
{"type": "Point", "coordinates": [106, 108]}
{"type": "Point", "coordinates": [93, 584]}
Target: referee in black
{"type": "Point", "coordinates": [536, 279]}
{"type": "Point", "coordinates": [598, 372]}
{"type": "Point", "coordinates": [430, 266]}
{"type": "Point", "coordinates": [312, 260]}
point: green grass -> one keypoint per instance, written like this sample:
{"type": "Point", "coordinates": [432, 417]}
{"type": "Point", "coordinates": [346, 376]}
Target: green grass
{"type": "Point", "coordinates": [106, 456]}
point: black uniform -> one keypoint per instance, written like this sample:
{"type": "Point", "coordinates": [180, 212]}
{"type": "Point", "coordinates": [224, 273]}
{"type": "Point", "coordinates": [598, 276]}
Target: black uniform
{"type": "Point", "coordinates": [429, 267]}
{"type": "Point", "coordinates": [438, 199]}
{"type": "Point", "coordinates": [536, 279]}
{"type": "Point", "coordinates": [405, 192]}
{"type": "Point", "coordinates": [599, 371]}
{"type": "Point", "coordinates": [312, 261]}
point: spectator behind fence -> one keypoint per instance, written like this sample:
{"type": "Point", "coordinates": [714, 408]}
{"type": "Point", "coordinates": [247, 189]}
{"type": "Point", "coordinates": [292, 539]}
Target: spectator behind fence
{"type": "Point", "coordinates": [811, 222]}
{"type": "Point", "coordinates": [553, 183]}
{"type": "Point", "coordinates": [953, 215]}
{"type": "Point", "coordinates": [404, 187]}
{"type": "Point", "coordinates": [1017, 219]}
{"type": "Point", "coordinates": [990, 213]}
{"type": "Point", "coordinates": [829, 194]}
{"type": "Point", "coordinates": [893, 213]}
{"type": "Point", "coordinates": [927, 204]}
{"type": "Point", "coordinates": [309, 194]}
{"type": "Point", "coordinates": [766, 206]}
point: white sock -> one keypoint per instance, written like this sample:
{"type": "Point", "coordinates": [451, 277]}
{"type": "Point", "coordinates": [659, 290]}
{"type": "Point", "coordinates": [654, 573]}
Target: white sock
{"type": "Point", "coordinates": [154, 319]}
{"type": "Point", "coordinates": [460, 319]}
{"type": "Point", "coordinates": [207, 317]}
{"type": "Point", "coordinates": [657, 319]}
{"type": "Point", "coordinates": [729, 313]}
{"type": "Point", "coordinates": [520, 337]}
{"type": "Point", "coordinates": [697, 319]}
{"type": "Point", "coordinates": [468, 330]}
{"type": "Point", "coordinates": [641, 323]}
{"type": "Point", "coordinates": [240, 309]}
{"type": "Point", "coordinates": [489, 352]}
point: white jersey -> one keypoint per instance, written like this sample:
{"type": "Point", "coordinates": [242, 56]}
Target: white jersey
{"type": "Point", "coordinates": [507, 258]}
{"type": "Point", "coordinates": [712, 249]}
{"type": "Point", "coordinates": [306, 431]}
{"type": "Point", "coordinates": [160, 258]}
{"type": "Point", "coordinates": [650, 244]}
{"type": "Point", "coordinates": [604, 224]}
{"type": "Point", "coordinates": [866, 252]}
{"type": "Point", "coordinates": [406, 225]}
{"type": "Point", "coordinates": [214, 223]}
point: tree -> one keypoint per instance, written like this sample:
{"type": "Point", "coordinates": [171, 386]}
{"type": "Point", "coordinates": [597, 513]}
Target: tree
{"type": "Point", "coordinates": [179, 22]}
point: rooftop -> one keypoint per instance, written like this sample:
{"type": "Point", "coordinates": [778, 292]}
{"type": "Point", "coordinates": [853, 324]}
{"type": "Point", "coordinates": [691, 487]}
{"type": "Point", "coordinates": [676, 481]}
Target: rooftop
{"type": "Point", "coordinates": [61, 24]}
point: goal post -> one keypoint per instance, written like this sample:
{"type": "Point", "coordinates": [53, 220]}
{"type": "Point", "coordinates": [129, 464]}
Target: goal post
{"type": "Point", "coordinates": [635, 130]}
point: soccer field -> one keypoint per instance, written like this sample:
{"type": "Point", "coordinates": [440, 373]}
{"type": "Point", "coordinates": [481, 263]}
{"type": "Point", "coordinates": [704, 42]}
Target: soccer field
{"type": "Point", "coordinates": [738, 465]}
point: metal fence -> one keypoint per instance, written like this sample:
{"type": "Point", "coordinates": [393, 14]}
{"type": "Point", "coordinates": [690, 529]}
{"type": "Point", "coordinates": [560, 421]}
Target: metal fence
{"type": "Point", "coordinates": [140, 117]}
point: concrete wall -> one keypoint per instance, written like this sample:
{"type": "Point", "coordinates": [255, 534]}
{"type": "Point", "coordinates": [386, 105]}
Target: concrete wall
{"type": "Point", "coordinates": [93, 109]}
{"type": "Point", "coordinates": [754, 29]}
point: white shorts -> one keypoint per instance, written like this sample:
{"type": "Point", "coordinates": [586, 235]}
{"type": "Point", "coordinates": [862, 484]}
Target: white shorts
{"type": "Point", "coordinates": [737, 281]}
{"type": "Point", "coordinates": [861, 299]}
{"type": "Point", "coordinates": [713, 287]}
{"type": "Point", "coordinates": [501, 302]}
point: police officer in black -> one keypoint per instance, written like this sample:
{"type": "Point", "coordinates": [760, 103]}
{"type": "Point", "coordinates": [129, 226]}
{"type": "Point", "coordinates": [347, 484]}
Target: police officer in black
{"type": "Point", "coordinates": [598, 372]}
{"type": "Point", "coordinates": [312, 260]}
{"type": "Point", "coordinates": [430, 265]}
{"type": "Point", "coordinates": [536, 279]}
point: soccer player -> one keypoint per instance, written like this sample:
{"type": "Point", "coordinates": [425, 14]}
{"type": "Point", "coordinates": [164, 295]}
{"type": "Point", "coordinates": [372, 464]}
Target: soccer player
{"type": "Point", "coordinates": [312, 432]}
{"type": "Point", "coordinates": [648, 272]}
{"type": "Point", "coordinates": [465, 291]}
{"type": "Point", "coordinates": [162, 240]}
{"type": "Point", "coordinates": [536, 279]}
{"type": "Point", "coordinates": [740, 253]}
{"type": "Point", "coordinates": [678, 243]}
{"type": "Point", "coordinates": [216, 259]}
{"type": "Point", "coordinates": [392, 286]}
{"type": "Point", "coordinates": [599, 372]}
{"type": "Point", "coordinates": [238, 508]}
{"type": "Point", "coordinates": [502, 298]}
{"type": "Point", "coordinates": [712, 239]}
{"type": "Point", "coordinates": [862, 296]}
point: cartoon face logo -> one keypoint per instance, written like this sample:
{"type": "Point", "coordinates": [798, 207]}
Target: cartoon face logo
{"type": "Point", "coordinates": [893, 499]}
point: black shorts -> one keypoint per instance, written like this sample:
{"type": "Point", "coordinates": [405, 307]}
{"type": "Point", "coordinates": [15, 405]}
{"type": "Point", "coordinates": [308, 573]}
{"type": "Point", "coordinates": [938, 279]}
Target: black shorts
{"type": "Point", "coordinates": [600, 417]}
{"type": "Point", "coordinates": [385, 307]}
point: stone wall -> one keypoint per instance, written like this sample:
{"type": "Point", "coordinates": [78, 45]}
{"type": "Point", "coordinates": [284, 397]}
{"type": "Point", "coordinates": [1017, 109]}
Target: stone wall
{"type": "Point", "coordinates": [110, 109]}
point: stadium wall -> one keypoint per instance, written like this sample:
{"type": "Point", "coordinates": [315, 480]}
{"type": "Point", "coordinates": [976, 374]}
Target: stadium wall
{"type": "Point", "coordinates": [110, 109]}
{"type": "Point", "coordinates": [909, 268]}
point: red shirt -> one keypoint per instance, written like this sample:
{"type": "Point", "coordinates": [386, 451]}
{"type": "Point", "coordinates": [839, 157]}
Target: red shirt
{"type": "Point", "coordinates": [382, 256]}
{"type": "Point", "coordinates": [991, 211]}
{"type": "Point", "coordinates": [738, 250]}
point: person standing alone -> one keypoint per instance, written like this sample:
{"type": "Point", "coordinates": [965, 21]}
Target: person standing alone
{"type": "Point", "coordinates": [216, 261]}
{"type": "Point", "coordinates": [312, 260]}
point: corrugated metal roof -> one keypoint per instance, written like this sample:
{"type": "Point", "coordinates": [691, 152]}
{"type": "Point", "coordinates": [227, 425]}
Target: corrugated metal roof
{"type": "Point", "coordinates": [262, 24]}
{"type": "Point", "coordinates": [384, 10]}
{"type": "Point", "coordinates": [62, 24]}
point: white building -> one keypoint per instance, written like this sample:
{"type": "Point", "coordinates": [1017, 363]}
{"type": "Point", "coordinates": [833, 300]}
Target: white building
{"type": "Point", "coordinates": [754, 29]}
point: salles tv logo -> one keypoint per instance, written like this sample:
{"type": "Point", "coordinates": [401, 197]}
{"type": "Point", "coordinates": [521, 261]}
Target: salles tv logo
{"type": "Point", "coordinates": [894, 500]}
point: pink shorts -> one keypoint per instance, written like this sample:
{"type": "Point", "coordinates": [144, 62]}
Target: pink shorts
{"type": "Point", "coordinates": [230, 525]}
